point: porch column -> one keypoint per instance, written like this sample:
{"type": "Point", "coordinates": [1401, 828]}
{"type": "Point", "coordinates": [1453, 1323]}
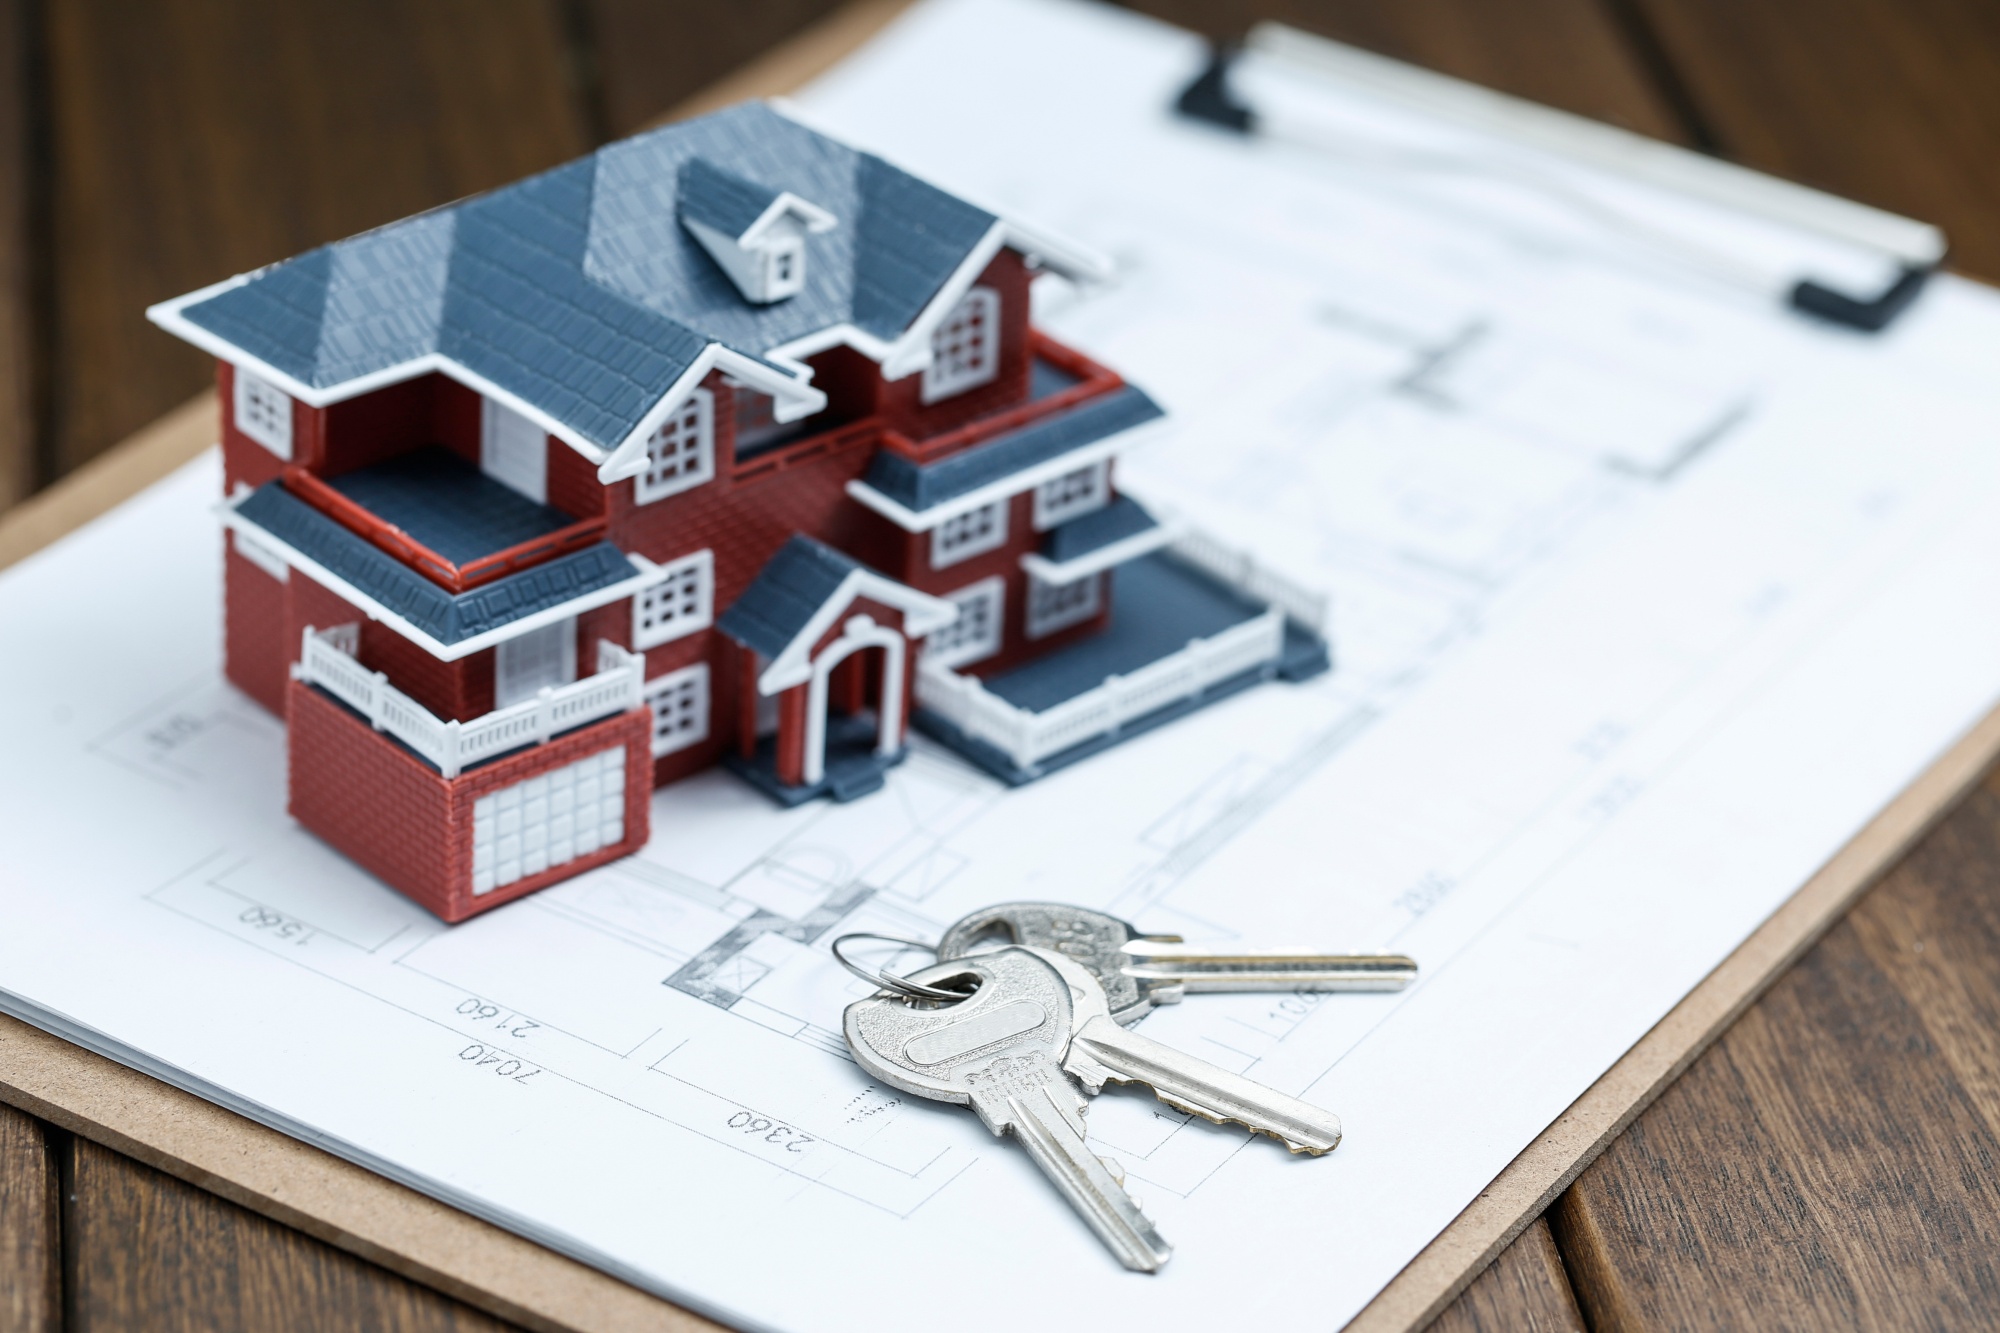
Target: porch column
{"type": "Point", "coordinates": [792, 736]}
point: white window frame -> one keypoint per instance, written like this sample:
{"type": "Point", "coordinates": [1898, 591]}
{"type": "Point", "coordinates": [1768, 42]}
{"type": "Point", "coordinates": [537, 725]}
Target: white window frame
{"type": "Point", "coordinates": [950, 646]}
{"type": "Point", "coordinates": [1060, 499]}
{"type": "Point", "coordinates": [974, 532]}
{"type": "Point", "coordinates": [691, 682]}
{"type": "Point", "coordinates": [694, 573]}
{"type": "Point", "coordinates": [785, 268]}
{"type": "Point", "coordinates": [699, 412]}
{"type": "Point", "coordinates": [959, 361]}
{"type": "Point", "coordinates": [262, 411]}
{"type": "Point", "coordinates": [1048, 612]}
{"type": "Point", "coordinates": [560, 636]}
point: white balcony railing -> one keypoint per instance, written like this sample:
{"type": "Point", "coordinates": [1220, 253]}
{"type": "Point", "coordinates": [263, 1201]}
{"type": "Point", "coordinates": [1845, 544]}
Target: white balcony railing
{"type": "Point", "coordinates": [326, 659]}
{"type": "Point", "coordinates": [1240, 570]}
{"type": "Point", "coordinates": [1029, 738]}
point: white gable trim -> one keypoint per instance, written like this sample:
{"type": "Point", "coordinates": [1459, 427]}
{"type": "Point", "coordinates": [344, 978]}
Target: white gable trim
{"type": "Point", "coordinates": [795, 398]}
{"type": "Point", "coordinates": [648, 575]}
{"type": "Point", "coordinates": [922, 614]}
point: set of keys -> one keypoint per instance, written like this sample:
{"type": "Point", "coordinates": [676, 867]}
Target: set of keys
{"type": "Point", "coordinates": [1028, 1009]}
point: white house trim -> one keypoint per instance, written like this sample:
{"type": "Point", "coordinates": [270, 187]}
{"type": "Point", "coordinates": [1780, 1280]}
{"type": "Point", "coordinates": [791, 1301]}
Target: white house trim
{"type": "Point", "coordinates": [1103, 558]}
{"type": "Point", "coordinates": [649, 574]}
{"type": "Point", "coordinates": [794, 397]}
{"type": "Point", "coordinates": [911, 520]}
{"type": "Point", "coordinates": [860, 632]}
{"type": "Point", "coordinates": [922, 614]}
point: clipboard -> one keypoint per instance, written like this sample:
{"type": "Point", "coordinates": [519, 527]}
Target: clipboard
{"type": "Point", "coordinates": [411, 1234]}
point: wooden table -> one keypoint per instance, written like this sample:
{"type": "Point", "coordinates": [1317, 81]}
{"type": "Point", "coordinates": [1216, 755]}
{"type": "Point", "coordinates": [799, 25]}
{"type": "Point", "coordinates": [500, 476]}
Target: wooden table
{"type": "Point", "coordinates": [1833, 1161]}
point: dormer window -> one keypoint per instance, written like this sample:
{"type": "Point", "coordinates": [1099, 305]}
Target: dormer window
{"type": "Point", "coordinates": [787, 268]}
{"type": "Point", "coordinates": [756, 234]}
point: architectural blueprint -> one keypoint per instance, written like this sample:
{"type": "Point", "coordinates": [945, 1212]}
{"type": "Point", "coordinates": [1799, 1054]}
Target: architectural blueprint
{"type": "Point", "coordinates": [1646, 595]}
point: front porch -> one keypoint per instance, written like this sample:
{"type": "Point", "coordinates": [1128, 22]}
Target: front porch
{"type": "Point", "coordinates": [1190, 625]}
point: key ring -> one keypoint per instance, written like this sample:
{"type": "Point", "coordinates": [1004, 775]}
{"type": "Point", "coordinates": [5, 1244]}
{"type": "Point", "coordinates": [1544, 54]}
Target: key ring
{"type": "Point", "coordinates": [889, 981]}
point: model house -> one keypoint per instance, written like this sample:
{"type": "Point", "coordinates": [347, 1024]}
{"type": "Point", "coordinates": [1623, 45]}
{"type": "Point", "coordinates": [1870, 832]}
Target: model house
{"type": "Point", "coordinates": [725, 443]}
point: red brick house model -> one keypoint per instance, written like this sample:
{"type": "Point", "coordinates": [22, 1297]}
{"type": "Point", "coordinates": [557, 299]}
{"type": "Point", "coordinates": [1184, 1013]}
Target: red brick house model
{"type": "Point", "coordinates": [726, 443]}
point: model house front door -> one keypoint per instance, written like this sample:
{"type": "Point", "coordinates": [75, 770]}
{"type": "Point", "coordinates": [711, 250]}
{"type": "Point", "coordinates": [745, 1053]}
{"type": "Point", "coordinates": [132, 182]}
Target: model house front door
{"type": "Point", "coordinates": [527, 663]}
{"type": "Point", "coordinates": [860, 634]}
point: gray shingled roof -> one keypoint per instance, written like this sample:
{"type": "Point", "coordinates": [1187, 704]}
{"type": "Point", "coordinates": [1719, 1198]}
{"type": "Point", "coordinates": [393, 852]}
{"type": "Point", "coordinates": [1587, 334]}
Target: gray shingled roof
{"type": "Point", "coordinates": [923, 486]}
{"type": "Point", "coordinates": [447, 618]}
{"type": "Point", "coordinates": [786, 594]}
{"type": "Point", "coordinates": [1122, 518]}
{"type": "Point", "coordinates": [580, 292]}
{"type": "Point", "coordinates": [720, 198]}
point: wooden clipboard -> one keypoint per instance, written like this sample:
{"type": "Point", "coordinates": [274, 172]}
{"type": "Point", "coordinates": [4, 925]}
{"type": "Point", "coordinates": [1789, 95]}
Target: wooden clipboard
{"type": "Point", "coordinates": [495, 1270]}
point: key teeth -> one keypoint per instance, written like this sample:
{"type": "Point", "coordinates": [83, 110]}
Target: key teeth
{"type": "Point", "coordinates": [1214, 1118]}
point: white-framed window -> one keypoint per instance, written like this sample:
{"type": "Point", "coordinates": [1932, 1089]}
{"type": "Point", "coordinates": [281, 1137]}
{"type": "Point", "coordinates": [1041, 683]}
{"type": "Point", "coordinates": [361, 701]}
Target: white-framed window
{"type": "Point", "coordinates": [1054, 606]}
{"type": "Point", "coordinates": [681, 453]}
{"type": "Point", "coordinates": [527, 663]}
{"type": "Point", "coordinates": [975, 635]}
{"type": "Point", "coordinates": [974, 532]}
{"type": "Point", "coordinates": [1063, 498]}
{"type": "Point", "coordinates": [548, 819]}
{"type": "Point", "coordinates": [680, 603]}
{"type": "Point", "coordinates": [263, 412]}
{"type": "Point", "coordinates": [785, 268]}
{"type": "Point", "coordinates": [965, 350]}
{"type": "Point", "coordinates": [679, 701]}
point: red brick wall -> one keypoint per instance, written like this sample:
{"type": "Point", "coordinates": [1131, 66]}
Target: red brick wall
{"type": "Point", "coordinates": [402, 821]}
{"type": "Point", "coordinates": [461, 689]}
{"type": "Point", "coordinates": [902, 400]}
{"type": "Point", "coordinates": [254, 649]}
{"type": "Point", "coordinates": [378, 425]}
{"type": "Point", "coordinates": [573, 486]}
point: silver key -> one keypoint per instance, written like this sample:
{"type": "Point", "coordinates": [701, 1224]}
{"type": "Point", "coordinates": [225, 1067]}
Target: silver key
{"type": "Point", "coordinates": [1139, 971]}
{"type": "Point", "coordinates": [1101, 1051]}
{"type": "Point", "coordinates": [1000, 1053]}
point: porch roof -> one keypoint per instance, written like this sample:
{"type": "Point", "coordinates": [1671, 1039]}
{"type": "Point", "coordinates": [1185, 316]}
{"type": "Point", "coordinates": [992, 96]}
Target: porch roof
{"type": "Point", "coordinates": [801, 592]}
{"type": "Point", "coordinates": [453, 624]}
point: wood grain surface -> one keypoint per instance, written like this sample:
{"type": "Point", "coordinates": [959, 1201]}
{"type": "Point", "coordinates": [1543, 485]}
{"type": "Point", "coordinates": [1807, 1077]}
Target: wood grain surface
{"type": "Point", "coordinates": [1893, 102]}
{"type": "Point", "coordinates": [1525, 1290]}
{"type": "Point", "coordinates": [197, 139]}
{"type": "Point", "coordinates": [1834, 1160]}
{"type": "Point", "coordinates": [146, 1251]}
{"type": "Point", "coordinates": [30, 1228]}
{"type": "Point", "coordinates": [1830, 1163]}
{"type": "Point", "coordinates": [20, 352]}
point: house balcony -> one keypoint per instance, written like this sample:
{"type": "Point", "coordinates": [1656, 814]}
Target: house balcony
{"type": "Point", "coordinates": [465, 816]}
{"type": "Point", "coordinates": [1191, 623]}
{"type": "Point", "coordinates": [1060, 378]}
{"type": "Point", "coordinates": [441, 516]}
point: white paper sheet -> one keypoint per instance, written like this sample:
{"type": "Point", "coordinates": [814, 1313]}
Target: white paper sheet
{"type": "Point", "coordinates": [1647, 596]}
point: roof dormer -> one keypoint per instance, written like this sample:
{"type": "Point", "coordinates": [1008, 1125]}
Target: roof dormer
{"type": "Point", "coordinates": [756, 234]}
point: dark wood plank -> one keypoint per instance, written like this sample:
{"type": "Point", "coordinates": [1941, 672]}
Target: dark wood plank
{"type": "Point", "coordinates": [146, 1251]}
{"type": "Point", "coordinates": [1524, 1290]}
{"type": "Point", "coordinates": [1834, 1161]}
{"type": "Point", "coordinates": [651, 57]}
{"type": "Point", "coordinates": [19, 352]}
{"type": "Point", "coordinates": [191, 141]}
{"type": "Point", "coordinates": [30, 1221]}
{"type": "Point", "coordinates": [1567, 53]}
{"type": "Point", "coordinates": [1895, 102]}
